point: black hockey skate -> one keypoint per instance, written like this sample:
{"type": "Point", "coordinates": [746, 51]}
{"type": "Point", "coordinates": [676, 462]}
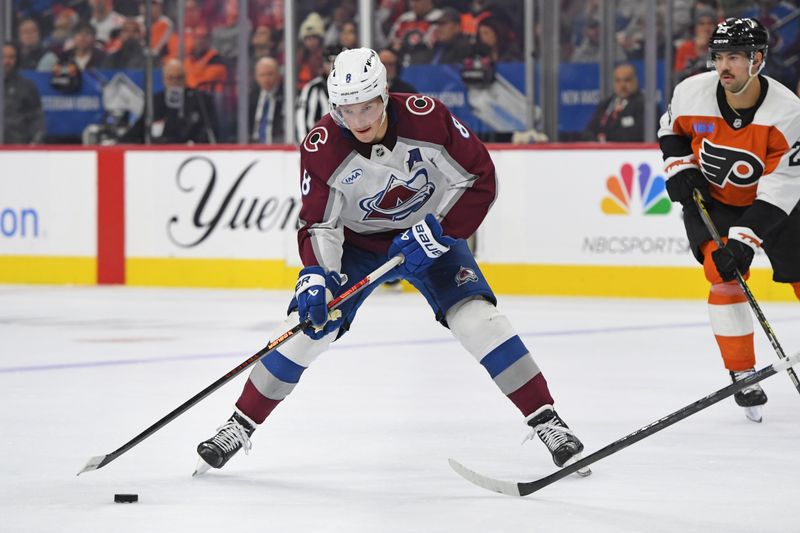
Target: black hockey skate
{"type": "Point", "coordinates": [751, 398]}
{"type": "Point", "coordinates": [232, 436]}
{"type": "Point", "coordinates": [562, 442]}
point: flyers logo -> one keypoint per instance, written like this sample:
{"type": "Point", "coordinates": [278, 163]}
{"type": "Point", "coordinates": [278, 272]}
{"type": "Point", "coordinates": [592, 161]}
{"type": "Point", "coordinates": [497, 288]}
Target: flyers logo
{"type": "Point", "coordinates": [723, 163]}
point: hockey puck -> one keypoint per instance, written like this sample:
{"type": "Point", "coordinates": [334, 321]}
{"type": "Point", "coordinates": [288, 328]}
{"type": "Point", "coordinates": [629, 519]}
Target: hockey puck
{"type": "Point", "coordinates": [126, 498]}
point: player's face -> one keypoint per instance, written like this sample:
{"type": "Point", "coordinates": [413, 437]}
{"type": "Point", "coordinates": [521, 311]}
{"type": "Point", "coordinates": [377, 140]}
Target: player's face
{"type": "Point", "coordinates": [733, 69]}
{"type": "Point", "coordinates": [364, 120]}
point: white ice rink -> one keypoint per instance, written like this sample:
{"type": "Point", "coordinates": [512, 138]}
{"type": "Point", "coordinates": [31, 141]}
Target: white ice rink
{"type": "Point", "coordinates": [362, 444]}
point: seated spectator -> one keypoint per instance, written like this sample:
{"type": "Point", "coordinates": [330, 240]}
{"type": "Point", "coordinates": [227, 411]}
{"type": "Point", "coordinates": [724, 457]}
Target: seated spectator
{"type": "Point", "coordinates": [391, 61]}
{"type": "Point", "coordinates": [309, 57]}
{"type": "Point", "coordinates": [478, 10]}
{"type": "Point", "coordinates": [161, 29]}
{"type": "Point", "coordinates": [180, 114]}
{"type": "Point", "coordinates": [105, 20]}
{"type": "Point", "coordinates": [266, 104]}
{"type": "Point", "coordinates": [203, 66]}
{"type": "Point", "coordinates": [85, 52]}
{"type": "Point", "coordinates": [192, 19]}
{"type": "Point", "coordinates": [61, 37]}
{"type": "Point", "coordinates": [341, 14]}
{"type": "Point", "coordinates": [262, 44]}
{"type": "Point", "coordinates": [413, 27]}
{"type": "Point", "coordinates": [31, 50]}
{"type": "Point", "coordinates": [620, 117]}
{"type": "Point", "coordinates": [225, 37]}
{"type": "Point", "coordinates": [348, 36]}
{"type": "Point", "coordinates": [449, 44]}
{"type": "Point", "coordinates": [22, 108]}
{"type": "Point", "coordinates": [498, 40]}
{"type": "Point", "coordinates": [129, 53]}
{"type": "Point", "coordinates": [691, 55]}
{"type": "Point", "coordinates": [589, 49]}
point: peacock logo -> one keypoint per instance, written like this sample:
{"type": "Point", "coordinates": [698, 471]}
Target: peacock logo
{"type": "Point", "coordinates": [651, 200]}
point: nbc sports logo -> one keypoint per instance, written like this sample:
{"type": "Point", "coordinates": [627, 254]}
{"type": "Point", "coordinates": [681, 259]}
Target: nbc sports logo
{"type": "Point", "coordinates": [651, 200]}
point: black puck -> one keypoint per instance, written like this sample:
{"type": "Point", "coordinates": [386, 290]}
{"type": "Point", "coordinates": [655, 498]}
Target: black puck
{"type": "Point", "coordinates": [126, 498]}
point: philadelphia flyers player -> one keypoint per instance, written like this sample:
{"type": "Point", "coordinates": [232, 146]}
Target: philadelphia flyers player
{"type": "Point", "coordinates": [734, 135]}
{"type": "Point", "coordinates": [383, 175]}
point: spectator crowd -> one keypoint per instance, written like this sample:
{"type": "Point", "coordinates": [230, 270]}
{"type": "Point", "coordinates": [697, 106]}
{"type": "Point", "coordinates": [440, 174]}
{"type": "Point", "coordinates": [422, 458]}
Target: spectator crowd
{"type": "Point", "coordinates": [67, 38]}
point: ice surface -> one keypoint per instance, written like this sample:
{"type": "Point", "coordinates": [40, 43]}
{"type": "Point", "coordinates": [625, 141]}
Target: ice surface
{"type": "Point", "coordinates": [362, 444]}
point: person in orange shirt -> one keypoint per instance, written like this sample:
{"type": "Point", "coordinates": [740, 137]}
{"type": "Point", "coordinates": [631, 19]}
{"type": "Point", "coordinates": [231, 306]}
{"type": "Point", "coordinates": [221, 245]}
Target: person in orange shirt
{"type": "Point", "coordinates": [203, 65]}
{"type": "Point", "coordinates": [161, 30]}
{"type": "Point", "coordinates": [691, 55]}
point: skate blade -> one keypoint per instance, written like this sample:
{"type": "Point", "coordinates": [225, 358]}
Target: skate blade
{"type": "Point", "coordinates": [201, 468]}
{"type": "Point", "coordinates": [583, 472]}
{"type": "Point", "coordinates": [753, 413]}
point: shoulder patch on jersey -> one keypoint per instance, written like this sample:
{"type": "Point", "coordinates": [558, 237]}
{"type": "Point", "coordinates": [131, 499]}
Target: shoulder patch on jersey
{"type": "Point", "coordinates": [420, 104]}
{"type": "Point", "coordinates": [723, 163]}
{"type": "Point", "coordinates": [315, 138]}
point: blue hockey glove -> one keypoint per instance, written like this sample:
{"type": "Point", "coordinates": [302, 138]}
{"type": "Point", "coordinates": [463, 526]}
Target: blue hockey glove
{"type": "Point", "coordinates": [314, 290]}
{"type": "Point", "coordinates": [737, 253]}
{"type": "Point", "coordinates": [421, 245]}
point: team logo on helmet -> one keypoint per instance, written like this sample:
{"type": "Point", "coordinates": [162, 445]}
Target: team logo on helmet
{"type": "Point", "coordinates": [400, 198]}
{"type": "Point", "coordinates": [465, 275]}
{"type": "Point", "coordinates": [723, 163]}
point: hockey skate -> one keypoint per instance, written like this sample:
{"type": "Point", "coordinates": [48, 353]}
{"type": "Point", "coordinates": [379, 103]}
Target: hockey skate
{"type": "Point", "coordinates": [232, 436]}
{"type": "Point", "coordinates": [561, 441]}
{"type": "Point", "coordinates": [752, 398]}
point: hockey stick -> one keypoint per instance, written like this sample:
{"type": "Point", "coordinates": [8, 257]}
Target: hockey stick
{"type": "Point", "coordinates": [523, 488]}
{"type": "Point", "coordinates": [712, 229]}
{"type": "Point", "coordinates": [100, 461]}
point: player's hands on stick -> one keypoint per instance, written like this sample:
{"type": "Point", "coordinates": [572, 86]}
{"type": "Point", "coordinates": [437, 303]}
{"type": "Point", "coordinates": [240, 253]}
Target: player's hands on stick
{"type": "Point", "coordinates": [314, 289]}
{"type": "Point", "coordinates": [421, 245]}
{"type": "Point", "coordinates": [737, 254]}
{"type": "Point", "coordinates": [681, 186]}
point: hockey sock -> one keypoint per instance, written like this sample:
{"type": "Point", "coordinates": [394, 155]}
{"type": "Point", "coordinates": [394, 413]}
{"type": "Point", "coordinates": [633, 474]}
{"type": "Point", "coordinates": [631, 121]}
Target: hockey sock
{"type": "Point", "coordinates": [275, 375]}
{"type": "Point", "coordinates": [487, 334]}
{"type": "Point", "coordinates": [730, 316]}
{"type": "Point", "coordinates": [732, 324]}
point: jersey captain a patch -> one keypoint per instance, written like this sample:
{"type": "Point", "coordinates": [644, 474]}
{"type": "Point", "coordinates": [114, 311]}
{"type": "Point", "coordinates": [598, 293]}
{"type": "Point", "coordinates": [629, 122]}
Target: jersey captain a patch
{"type": "Point", "coordinates": [723, 164]}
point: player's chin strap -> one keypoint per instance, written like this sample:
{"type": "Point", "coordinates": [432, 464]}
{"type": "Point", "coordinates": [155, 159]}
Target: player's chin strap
{"type": "Point", "coordinates": [749, 72]}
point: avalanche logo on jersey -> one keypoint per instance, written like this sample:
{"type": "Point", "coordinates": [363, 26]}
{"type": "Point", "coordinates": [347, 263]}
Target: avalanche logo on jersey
{"type": "Point", "coordinates": [723, 163]}
{"type": "Point", "coordinates": [400, 198]}
{"type": "Point", "coordinates": [651, 192]}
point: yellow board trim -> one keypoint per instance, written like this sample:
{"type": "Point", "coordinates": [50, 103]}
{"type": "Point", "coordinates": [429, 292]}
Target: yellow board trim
{"type": "Point", "coordinates": [621, 282]}
{"type": "Point", "coordinates": [48, 269]}
{"type": "Point", "coordinates": [220, 273]}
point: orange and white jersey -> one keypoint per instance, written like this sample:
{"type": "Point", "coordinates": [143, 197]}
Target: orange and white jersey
{"type": "Point", "coordinates": [746, 155]}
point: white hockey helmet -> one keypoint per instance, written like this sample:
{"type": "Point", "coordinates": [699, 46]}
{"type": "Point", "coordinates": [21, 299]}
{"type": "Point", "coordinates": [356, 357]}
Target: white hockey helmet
{"type": "Point", "coordinates": [357, 76]}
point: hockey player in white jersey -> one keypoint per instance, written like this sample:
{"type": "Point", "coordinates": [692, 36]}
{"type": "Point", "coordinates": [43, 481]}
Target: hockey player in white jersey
{"type": "Point", "coordinates": [383, 175]}
{"type": "Point", "coordinates": [734, 134]}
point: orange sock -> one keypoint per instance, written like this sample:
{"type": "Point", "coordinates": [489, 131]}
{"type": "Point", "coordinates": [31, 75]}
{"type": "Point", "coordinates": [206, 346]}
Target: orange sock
{"type": "Point", "coordinates": [731, 320]}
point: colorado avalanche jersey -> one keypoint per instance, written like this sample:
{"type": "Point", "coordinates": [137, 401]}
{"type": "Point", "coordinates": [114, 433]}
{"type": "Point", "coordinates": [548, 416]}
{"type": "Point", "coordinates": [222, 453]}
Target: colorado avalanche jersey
{"type": "Point", "coordinates": [744, 154]}
{"type": "Point", "coordinates": [428, 162]}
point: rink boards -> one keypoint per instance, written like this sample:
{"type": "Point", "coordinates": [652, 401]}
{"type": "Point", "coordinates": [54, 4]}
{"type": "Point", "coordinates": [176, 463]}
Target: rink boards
{"type": "Point", "coordinates": [572, 220]}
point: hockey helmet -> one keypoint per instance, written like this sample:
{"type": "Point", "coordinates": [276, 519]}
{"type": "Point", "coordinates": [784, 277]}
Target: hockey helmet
{"type": "Point", "coordinates": [358, 76]}
{"type": "Point", "coordinates": [739, 35]}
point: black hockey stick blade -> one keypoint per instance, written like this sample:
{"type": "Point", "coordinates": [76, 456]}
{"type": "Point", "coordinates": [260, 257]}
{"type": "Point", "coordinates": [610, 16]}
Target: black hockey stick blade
{"type": "Point", "coordinates": [100, 461]}
{"type": "Point", "coordinates": [524, 488]}
{"type": "Point", "coordinates": [762, 319]}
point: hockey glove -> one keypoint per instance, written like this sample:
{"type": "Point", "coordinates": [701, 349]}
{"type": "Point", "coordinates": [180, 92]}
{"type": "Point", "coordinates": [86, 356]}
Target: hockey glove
{"type": "Point", "coordinates": [421, 245]}
{"type": "Point", "coordinates": [737, 254]}
{"type": "Point", "coordinates": [681, 185]}
{"type": "Point", "coordinates": [314, 290]}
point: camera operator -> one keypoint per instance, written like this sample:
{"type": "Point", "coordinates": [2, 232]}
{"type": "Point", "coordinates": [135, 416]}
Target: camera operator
{"type": "Point", "coordinates": [180, 115]}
